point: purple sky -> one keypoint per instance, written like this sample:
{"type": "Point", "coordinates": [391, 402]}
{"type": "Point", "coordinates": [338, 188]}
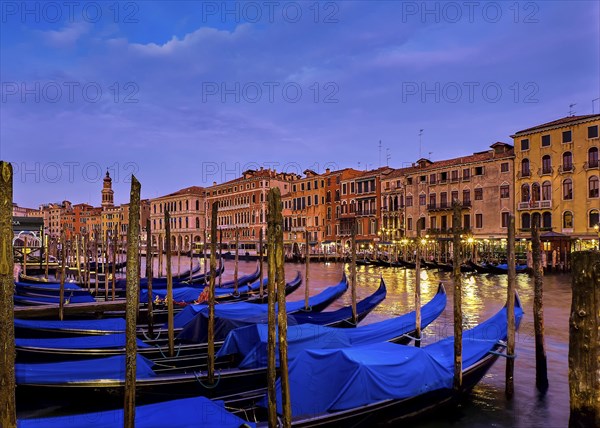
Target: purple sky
{"type": "Point", "coordinates": [187, 93]}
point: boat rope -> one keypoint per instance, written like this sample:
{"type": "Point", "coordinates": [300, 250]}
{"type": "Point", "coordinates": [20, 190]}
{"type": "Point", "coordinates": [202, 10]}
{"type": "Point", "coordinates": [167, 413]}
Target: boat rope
{"type": "Point", "coordinates": [163, 354]}
{"type": "Point", "coordinates": [500, 354]}
{"type": "Point", "coordinates": [144, 332]}
{"type": "Point", "coordinates": [309, 309]}
{"type": "Point", "coordinates": [416, 339]}
{"type": "Point", "coordinates": [208, 386]}
{"type": "Point", "coordinates": [349, 322]}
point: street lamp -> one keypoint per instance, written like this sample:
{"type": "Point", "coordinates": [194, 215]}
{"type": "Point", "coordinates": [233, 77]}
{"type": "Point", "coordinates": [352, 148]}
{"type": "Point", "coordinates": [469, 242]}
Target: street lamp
{"type": "Point", "coordinates": [597, 229]}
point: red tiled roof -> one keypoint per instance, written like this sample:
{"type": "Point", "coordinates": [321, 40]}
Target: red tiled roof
{"type": "Point", "coordinates": [187, 190]}
{"type": "Point", "coordinates": [559, 122]}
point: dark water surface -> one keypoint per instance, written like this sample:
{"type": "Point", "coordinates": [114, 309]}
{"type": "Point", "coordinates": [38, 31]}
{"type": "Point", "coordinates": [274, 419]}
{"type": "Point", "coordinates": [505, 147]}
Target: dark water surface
{"type": "Point", "coordinates": [483, 296]}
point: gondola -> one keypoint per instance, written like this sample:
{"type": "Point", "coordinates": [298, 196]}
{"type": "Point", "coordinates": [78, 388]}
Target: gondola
{"type": "Point", "coordinates": [448, 267]}
{"type": "Point", "coordinates": [187, 412]}
{"type": "Point", "coordinates": [61, 349]}
{"type": "Point", "coordinates": [385, 382]}
{"type": "Point", "coordinates": [156, 380]}
{"type": "Point", "coordinates": [407, 264]}
{"type": "Point", "coordinates": [363, 262]}
{"type": "Point", "coordinates": [54, 328]}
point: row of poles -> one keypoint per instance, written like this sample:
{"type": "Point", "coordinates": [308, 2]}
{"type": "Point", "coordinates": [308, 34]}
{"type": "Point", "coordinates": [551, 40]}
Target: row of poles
{"type": "Point", "coordinates": [584, 340]}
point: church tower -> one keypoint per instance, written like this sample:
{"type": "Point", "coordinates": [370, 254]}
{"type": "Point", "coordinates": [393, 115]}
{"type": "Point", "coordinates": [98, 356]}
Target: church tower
{"type": "Point", "coordinates": [107, 192]}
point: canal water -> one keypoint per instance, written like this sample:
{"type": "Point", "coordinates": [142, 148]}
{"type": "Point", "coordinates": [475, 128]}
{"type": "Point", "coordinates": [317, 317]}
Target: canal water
{"type": "Point", "coordinates": [483, 296]}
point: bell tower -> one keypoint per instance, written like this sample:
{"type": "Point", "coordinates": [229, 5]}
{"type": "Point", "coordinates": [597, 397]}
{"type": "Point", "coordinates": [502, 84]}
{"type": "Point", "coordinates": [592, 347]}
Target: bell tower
{"type": "Point", "coordinates": [107, 192]}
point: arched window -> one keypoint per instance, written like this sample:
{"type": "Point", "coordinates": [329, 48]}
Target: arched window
{"type": "Point", "coordinates": [525, 193]}
{"type": "Point", "coordinates": [525, 168]}
{"type": "Point", "coordinates": [547, 220]}
{"type": "Point", "coordinates": [536, 219]}
{"type": "Point", "coordinates": [187, 205]}
{"type": "Point", "coordinates": [594, 218]}
{"type": "Point", "coordinates": [535, 192]}
{"type": "Point", "coordinates": [546, 164]}
{"type": "Point", "coordinates": [525, 221]}
{"type": "Point", "coordinates": [593, 186]}
{"type": "Point", "coordinates": [568, 189]}
{"type": "Point", "coordinates": [197, 223]}
{"type": "Point", "coordinates": [546, 191]}
{"type": "Point", "coordinates": [568, 220]}
{"type": "Point", "coordinates": [593, 157]}
{"type": "Point", "coordinates": [567, 161]}
{"type": "Point", "coordinates": [197, 205]}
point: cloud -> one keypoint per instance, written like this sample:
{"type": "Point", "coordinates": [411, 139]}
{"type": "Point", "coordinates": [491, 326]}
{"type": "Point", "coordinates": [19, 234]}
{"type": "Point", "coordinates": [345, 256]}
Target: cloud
{"type": "Point", "coordinates": [66, 37]}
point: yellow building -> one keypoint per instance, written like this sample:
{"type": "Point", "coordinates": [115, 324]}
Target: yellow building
{"type": "Point", "coordinates": [557, 182]}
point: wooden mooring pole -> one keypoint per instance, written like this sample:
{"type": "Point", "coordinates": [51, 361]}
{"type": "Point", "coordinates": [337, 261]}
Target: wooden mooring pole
{"type": "Point", "coordinates": [8, 412]}
{"type": "Point", "coordinates": [114, 262]}
{"type": "Point", "coordinates": [271, 297]}
{"type": "Point", "coordinates": [211, 292]}
{"type": "Point", "coordinates": [46, 256]}
{"type": "Point", "coordinates": [584, 341]}
{"type": "Point", "coordinates": [149, 274]}
{"type": "Point", "coordinates": [260, 262]}
{"type": "Point", "coordinates": [541, 365]}
{"type": "Point", "coordinates": [132, 293]}
{"type": "Point", "coordinates": [418, 287]}
{"type": "Point", "coordinates": [63, 274]}
{"type": "Point", "coordinates": [353, 273]}
{"type": "Point", "coordinates": [237, 259]}
{"type": "Point", "coordinates": [510, 309]}
{"type": "Point", "coordinates": [220, 255]}
{"type": "Point", "coordinates": [170, 315]}
{"type": "Point", "coordinates": [286, 406]}
{"type": "Point", "coordinates": [458, 318]}
{"type": "Point", "coordinates": [306, 275]}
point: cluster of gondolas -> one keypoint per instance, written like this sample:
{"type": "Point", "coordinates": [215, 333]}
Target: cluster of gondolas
{"type": "Point", "coordinates": [340, 374]}
{"type": "Point", "coordinates": [467, 267]}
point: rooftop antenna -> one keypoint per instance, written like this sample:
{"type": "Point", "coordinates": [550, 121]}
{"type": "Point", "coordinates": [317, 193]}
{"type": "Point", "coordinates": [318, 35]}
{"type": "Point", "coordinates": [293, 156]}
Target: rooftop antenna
{"type": "Point", "coordinates": [359, 165]}
{"type": "Point", "coordinates": [420, 133]}
{"type": "Point", "coordinates": [379, 153]}
{"type": "Point", "coordinates": [571, 112]}
{"type": "Point", "coordinates": [388, 156]}
{"type": "Point", "coordinates": [595, 99]}
{"type": "Point", "coordinates": [429, 157]}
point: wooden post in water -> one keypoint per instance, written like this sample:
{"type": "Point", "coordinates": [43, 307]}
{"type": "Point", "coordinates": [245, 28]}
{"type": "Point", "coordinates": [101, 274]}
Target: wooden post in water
{"type": "Point", "coordinates": [63, 274]}
{"type": "Point", "coordinates": [418, 288]}
{"type": "Point", "coordinates": [160, 255]}
{"type": "Point", "coordinates": [281, 309]}
{"type": "Point", "coordinates": [132, 293]}
{"type": "Point", "coordinates": [272, 339]}
{"type": "Point", "coordinates": [171, 332]}
{"type": "Point", "coordinates": [25, 255]}
{"type": "Point", "coordinates": [78, 258]}
{"type": "Point", "coordinates": [211, 292]}
{"type": "Point", "coordinates": [178, 258]}
{"type": "Point", "coordinates": [541, 367]}
{"type": "Point", "coordinates": [46, 256]}
{"type": "Point", "coordinates": [235, 268]}
{"type": "Point", "coordinates": [220, 255]}
{"type": "Point", "coordinates": [306, 275]}
{"type": "Point", "coordinates": [584, 341]}
{"type": "Point", "coordinates": [260, 261]}
{"type": "Point", "coordinates": [191, 256]}
{"type": "Point", "coordinates": [105, 263]}
{"type": "Point", "coordinates": [204, 254]}
{"type": "Point", "coordinates": [149, 273]}
{"type": "Point", "coordinates": [8, 411]}
{"type": "Point", "coordinates": [114, 261]}
{"type": "Point", "coordinates": [353, 273]}
{"type": "Point", "coordinates": [97, 265]}
{"type": "Point", "coordinates": [458, 318]}
{"type": "Point", "coordinates": [510, 309]}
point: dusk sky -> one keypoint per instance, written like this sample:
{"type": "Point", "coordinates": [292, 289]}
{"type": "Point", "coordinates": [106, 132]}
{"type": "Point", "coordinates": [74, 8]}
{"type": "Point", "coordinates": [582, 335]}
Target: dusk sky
{"type": "Point", "coordinates": [187, 93]}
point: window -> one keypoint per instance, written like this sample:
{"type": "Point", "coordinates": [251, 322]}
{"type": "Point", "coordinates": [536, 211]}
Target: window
{"type": "Point", "coordinates": [409, 201]}
{"type": "Point", "coordinates": [568, 220]}
{"type": "Point", "coordinates": [454, 196]}
{"type": "Point", "coordinates": [546, 191]}
{"type": "Point", "coordinates": [525, 168]}
{"type": "Point", "coordinates": [567, 161]}
{"type": "Point", "coordinates": [535, 192]}
{"type": "Point", "coordinates": [343, 188]}
{"type": "Point", "coordinates": [479, 194]}
{"type": "Point", "coordinates": [432, 199]}
{"type": "Point", "coordinates": [479, 170]}
{"type": "Point", "coordinates": [546, 140]}
{"type": "Point", "coordinates": [422, 199]}
{"type": "Point", "coordinates": [466, 197]}
{"type": "Point", "coordinates": [433, 222]}
{"type": "Point", "coordinates": [593, 131]}
{"type": "Point", "coordinates": [466, 173]}
{"type": "Point", "coordinates": [478, 221]}
{"type": "Point", "coordinates": [443, 199]}
{"type": "Point", "coordinates": [593, 218]}
{"type": "Point", "coordinates": [546, 164]}
{"type": "Point", "coordinates": [423, 179]}
{"type": "Point", "coordinates": [443, 177]}
{"type": "Point", "coordinates": [444, 225]}
{"type": "Point", "coordinates": [593, 186]}
{"type": "Point", "coordinates": [567, 189]}
{"type": "Point", "coordinates": [455, 175]}
{"type": "Point", "coordinates": [525, 195]}
{"type": "Point", "coordinates": [505, 191]}
{"type": "Point", "coordinates": [432, 179]}
{"type": "Point", "coordinates": [547, 220]}
{"type": "Point", "coordinates": [505, 218]}
{"type": "Point", "coordinates": [409, 181]}
{"type": "Point", "coordinates": [593, 157]}
{"type": "Point", "coordinates": [525, 221]}
{"type": "Point", "coordinates": [409, 224]}
{"type": "Point", "coordinates": [567, 137]}
{"type": "Point", "coordinates": [504, 167]}
{"type": "Point", "coordinates": [525, 144]}
{"type": "Point", "coordinates": [467, 221]}
{"type": "Point", "coordinates": [308, 185]}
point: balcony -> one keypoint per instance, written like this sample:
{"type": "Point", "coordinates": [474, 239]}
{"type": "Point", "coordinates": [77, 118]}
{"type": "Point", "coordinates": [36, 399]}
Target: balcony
{"type": "Point", "coordinates": [446, 206]}
{"type": "Point", "coordinates": [366, 212]}
{"type": "Point", "coordinates": [234, 207]}
{"type": "Point", "coordinates": [454, 180]}
{"type": "Point", "coordinates": [466, 178]}
{"type": "Point", "coordinates": [523, 174]}
{"type": "Point", "coordinates": [447, 231]}
{"type": "Point", "coordinates": [545, 171]}
{"type": "Point", "coordinates": [591, 165]}
{"type": "Point", "coordinates": [298, 229]}
{"type": "Point", "coordinates": [566, 169]}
